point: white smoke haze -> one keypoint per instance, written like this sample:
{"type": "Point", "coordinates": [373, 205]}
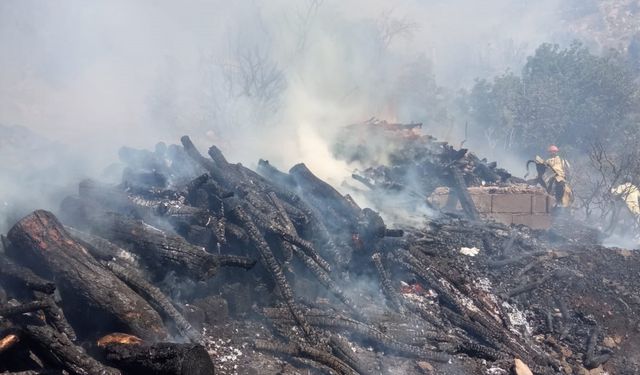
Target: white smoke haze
{"type": "Point", "coordinates": [260, 79]}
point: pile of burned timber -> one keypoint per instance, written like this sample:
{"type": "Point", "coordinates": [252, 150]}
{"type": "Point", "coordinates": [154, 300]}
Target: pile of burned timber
{"type": "Point", "coordinates": [193, 263]}
{"type": "Point", "coordinates": [401, 162]}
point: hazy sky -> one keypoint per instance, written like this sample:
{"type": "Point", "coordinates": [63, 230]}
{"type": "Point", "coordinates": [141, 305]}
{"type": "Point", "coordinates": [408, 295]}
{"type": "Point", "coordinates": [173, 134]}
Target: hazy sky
{"type": "Point", "coordinates": [78, 68]}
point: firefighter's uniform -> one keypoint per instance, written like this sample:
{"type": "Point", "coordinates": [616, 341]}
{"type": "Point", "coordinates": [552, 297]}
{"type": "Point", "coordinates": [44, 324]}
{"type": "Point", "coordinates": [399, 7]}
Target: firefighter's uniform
{"type": "Point", "coordinates": [630, 193]}
{"type": "Point", "coordinates": [557, 181]}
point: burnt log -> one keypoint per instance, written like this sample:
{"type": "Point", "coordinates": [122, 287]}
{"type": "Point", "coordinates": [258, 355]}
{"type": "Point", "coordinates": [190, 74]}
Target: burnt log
{"type": "Point", "coordinates": [86, 286]}
{"type": "Point", "coordinates": [161, 358]}
{"type": "Point", "coordinates": [274, 175]}
{"type": "Point", "coordinates": [306, 351]}
{"type": "Point", "coordinates": [160, 250]}
{"type": "Point", "coordinates": [342, 350]}
{"type": "Point", "coordinates": [21, 277]}
{"type": "Point", "coordinates": [11, 272]}
{"type": "Point", "coordinates": [114, 199]}
{"type": "Point", "coordinates": [374, 335]}
{"type": "Point", "coordinates": [322, 194]}
{"type": "Point", "coordinates": [7, 311]}
{"type": "Point", "coordinates": [156, 298]}
{"type": "Point", "coordinates": [56, 348]}
{"type": "Point", "coordinates": [460, 188]}
{"type": "Point", "coordinates": [55, 315]}
{"type": "Point", "coordinates": [271, 264]}
{"type": "Point", "coordinates": [387, 286]}
{"type": "Point", "coordinates": [100, 248]}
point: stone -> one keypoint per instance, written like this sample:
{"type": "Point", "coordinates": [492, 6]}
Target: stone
{"type": "Point", "coordinates": [426, 367]}
{"type": "Point", "coordinates": [520, 368]}
{"type": "Point", "coordinates": [609, 342]}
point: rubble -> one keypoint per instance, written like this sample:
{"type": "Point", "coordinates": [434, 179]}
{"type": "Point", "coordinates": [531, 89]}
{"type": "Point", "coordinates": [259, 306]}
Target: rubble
{"type": "Point", "coordinates": [216, 266]}
{"type": "Point", "coordinates": [404, 167]}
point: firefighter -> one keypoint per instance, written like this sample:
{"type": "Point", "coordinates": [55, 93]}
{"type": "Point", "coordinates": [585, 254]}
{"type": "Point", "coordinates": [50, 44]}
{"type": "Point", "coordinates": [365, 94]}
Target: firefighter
{"type": "Point", "coordinates": [557, 182]}
{"type": "Point", "coordinates": [631, 195]}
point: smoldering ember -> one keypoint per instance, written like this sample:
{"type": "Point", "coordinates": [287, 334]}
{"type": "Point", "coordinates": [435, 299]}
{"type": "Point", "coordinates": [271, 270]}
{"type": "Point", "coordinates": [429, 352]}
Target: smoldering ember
{"type": "Point", "coordinates": [196, 265]}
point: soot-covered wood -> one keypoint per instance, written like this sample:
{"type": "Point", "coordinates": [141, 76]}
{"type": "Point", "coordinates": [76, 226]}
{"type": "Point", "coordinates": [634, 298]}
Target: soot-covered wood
{"type": "Point", "coordinates": [40, 241]}
{"type": "Point", "coordinates": [161, 359]}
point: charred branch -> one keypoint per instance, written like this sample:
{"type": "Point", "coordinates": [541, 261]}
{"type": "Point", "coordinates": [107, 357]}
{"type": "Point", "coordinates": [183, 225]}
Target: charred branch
{"type": "Point", "coordinates": [306, 351]}
{"type": "Point", "coordinates": [58, 349]}
{"type": "Point", "coordinates": [156, 298]}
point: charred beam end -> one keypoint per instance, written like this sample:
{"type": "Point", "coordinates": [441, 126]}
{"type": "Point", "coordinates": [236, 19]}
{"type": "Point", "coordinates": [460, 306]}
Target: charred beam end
{"type": "Point", "coordinates": [196, 156]}
{"type": "Point", "coordinates": [320, 189]}
{"type": "Point", "coordinates": [161, 358]}
{"type": "Point", "coordinates": [274, 175]}
{"type": "Point", "coordinates": [7, 311]}
{"type": "Point", "coordinates": [235, 261]}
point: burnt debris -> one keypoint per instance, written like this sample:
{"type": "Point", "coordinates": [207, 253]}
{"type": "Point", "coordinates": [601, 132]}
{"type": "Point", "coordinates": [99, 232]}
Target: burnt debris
{"type": "Point", "coordinates": [195, 265]}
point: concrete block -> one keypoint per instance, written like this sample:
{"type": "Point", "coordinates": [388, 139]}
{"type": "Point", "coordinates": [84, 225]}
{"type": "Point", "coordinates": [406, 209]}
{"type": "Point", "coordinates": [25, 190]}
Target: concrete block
{"type": "Point", "coordinates": [501, 218]}
{"type": "Point", "coordinates": [511, 203]}
{"type": "Point", "coordinates": [482, 202]}
{"type": "Point", "coordinates": [535, 221]}
{"type": "Point", "coordinates": [539, 204]}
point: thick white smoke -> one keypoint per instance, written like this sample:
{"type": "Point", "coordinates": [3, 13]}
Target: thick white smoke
{"type": "Point", "coordinates": [261, 79]}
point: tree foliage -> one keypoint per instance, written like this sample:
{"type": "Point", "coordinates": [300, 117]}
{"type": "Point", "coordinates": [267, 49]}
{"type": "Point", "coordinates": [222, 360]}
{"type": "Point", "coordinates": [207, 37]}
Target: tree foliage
{"type": "Point", "coordinates": [565, 96]}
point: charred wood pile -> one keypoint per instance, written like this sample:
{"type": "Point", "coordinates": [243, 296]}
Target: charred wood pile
{"type": "Point", "coordinates": [399, 161]}
{"type": "Point", "coordinates": [195, 265]}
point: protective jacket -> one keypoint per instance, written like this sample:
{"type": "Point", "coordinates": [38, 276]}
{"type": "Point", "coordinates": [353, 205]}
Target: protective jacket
{"type": "Point", "coordinates": [557, 181]}
{"type": "Point", "coordinates": [560, 167]}
{"type": "Point", "coordinates": [630, 193]}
